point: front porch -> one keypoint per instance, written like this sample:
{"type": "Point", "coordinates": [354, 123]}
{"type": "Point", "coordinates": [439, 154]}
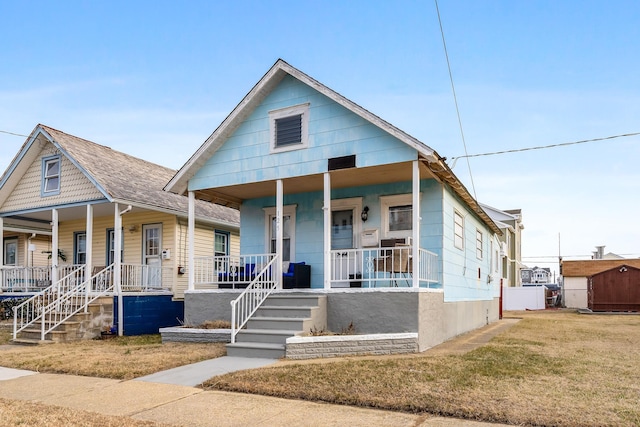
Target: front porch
{"type": "Point", "coordinates": [378, 267]}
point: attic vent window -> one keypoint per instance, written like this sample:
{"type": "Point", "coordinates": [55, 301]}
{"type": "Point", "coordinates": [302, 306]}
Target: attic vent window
{"type": "Point", "coordinates": [289, 128]}
{"type": "Point", "coordinates": [51, 176]}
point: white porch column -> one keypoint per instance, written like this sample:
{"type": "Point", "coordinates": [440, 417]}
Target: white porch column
{"type": "Point", "coordinates": [54, 246]}
{"type": "Point", "coordinates": [89, 253]}
{"type": "Point", "coordinates": [279, 232]}
{"type": "Point", "coordinates": [1, 242]}
{"type": "Point", "coordinates": [117, 264]}
{"type": "Point", "coordinates": [326, 211]}
{"type": "Point", "coordinates": [415, 193]}
{"type": "Point", "coordinates": [191, 230]}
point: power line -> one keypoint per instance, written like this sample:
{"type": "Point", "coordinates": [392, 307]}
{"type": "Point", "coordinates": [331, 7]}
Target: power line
{"type": "Point", "coordinates": [542, 147]}
{"type": "Point", "coordinates": [14, 134]}
{"type": "Point", "coordinates": [455, 100]}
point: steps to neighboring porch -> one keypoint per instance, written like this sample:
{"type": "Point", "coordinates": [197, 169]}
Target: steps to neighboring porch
{"type": "Point", "coordinates": [280, 317]}
{"type": "Point", "coordinates": [79, 326]}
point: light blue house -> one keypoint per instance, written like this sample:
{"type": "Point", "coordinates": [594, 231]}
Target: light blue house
{"type": "Point", "coordinates": [390, 238]}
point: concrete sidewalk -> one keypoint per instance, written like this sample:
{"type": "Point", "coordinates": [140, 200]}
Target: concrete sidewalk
{"type": "Point", "coordinates": [168, 397]}
{"type": "Point", "coordinates": [189, 406]}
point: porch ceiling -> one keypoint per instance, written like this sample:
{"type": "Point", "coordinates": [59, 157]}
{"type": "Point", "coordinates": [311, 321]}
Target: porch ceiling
{"type": "Point", "coordinates": [354, 177]}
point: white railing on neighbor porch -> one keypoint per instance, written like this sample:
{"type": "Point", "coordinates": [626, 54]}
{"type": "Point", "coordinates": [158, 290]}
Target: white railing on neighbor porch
{"type": "Point", "coordinates": [243, 307]}
{"type": "Point", "coordinates": [30, 279]}
{"type": "Point", "coordinates": [382, 267]}
{"type": "Point", "coordinates": [228, 271]}
{"type": "Point", "coordinates": [30, 311]}
{"type": "Point", "coordinates": [142, 278]}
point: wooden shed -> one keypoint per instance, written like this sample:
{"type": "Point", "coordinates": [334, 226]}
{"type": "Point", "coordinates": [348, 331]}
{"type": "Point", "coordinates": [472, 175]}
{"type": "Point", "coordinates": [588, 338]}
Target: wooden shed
{"type": "Point", "coordinates": [617, 289]}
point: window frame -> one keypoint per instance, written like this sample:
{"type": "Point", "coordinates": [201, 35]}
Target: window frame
{"type": "Point", "coordinates": [110, 246]}
{"type": "Point", "coordinates": [76, 247]}
{"type": "Point", "coordinates": [479, 244]}
{"type": "Point", "coordinates": [45, 179]}
{"type": "Point", "coordinates": [303, 111]}
{"type": "Point", "coordinates": [388, 202]}
{"type": "Point", "coordinates": [226, 236]}
{"type": "Point", "coordinates": [458, 237]}
{"type": "Point", "coordinates": [5, 252]}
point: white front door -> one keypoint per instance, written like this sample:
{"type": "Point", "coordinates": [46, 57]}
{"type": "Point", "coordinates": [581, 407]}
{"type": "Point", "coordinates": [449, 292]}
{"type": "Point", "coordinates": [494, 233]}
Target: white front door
{"type": "Point", "coordinates": [345, 232]}
{"type": "Point", "coordinates": [152, 255]}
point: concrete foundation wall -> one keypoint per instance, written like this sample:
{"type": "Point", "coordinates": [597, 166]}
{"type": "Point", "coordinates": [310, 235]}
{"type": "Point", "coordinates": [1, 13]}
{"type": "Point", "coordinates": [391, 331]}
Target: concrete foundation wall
{"type": "Point", "coordinates": [373, 312]}
{"type": "Point", "coordinates": [200, 306]}
{"type": "Point", "coordinates": [575, 292]}
{"type": "Point", "coordinates": [441, 321]}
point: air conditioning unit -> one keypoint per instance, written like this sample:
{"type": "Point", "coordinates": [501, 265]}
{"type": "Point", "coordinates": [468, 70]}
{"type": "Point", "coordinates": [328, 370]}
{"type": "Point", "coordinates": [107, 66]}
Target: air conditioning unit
{"type": "Point", "coordinates": [404, 241]}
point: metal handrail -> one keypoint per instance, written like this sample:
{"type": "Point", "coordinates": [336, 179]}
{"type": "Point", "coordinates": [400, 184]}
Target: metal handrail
{"type": "Point", "coordinates": [243, 307]}
{"type": "Point", "coordinates": [31, 310]}
{"type": "Point", "coordinates": [75, 300]}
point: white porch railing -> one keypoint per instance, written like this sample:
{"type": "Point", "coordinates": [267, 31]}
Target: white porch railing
{"type": "Point", "coordinates": [243, 307]}
{"type": "Point", "coordinates": [30, 311]}
{"type": "Point", "coordinates": [382, 267]}
{"type": "Point", "coordinates": [229, 271]}
{"type": "Point", "coordinates": [135, 277]}
{"type": "Point", "coordinates": [141, 278]}
{"type": "Point", "coordinates": [30, 279]}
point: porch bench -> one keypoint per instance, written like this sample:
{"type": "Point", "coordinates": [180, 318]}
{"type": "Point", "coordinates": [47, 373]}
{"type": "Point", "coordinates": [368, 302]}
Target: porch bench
{"type": "Point", "coordinates": [297, 276]}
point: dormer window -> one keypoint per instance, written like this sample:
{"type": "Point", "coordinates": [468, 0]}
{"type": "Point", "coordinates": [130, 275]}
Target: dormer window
{"type": "Point", "coordinates": [51, 176]}
{"type": "Point", "coordinates": [288, 128]}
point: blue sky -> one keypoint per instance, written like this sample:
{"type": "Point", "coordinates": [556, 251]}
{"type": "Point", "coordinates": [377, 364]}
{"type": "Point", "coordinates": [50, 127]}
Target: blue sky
{"type": "Point", "coordinates": [155, 78]}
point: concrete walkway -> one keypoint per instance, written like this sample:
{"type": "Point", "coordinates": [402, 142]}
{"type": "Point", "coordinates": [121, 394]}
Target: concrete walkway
{"type": "Point", "coordinates": [164, 397]}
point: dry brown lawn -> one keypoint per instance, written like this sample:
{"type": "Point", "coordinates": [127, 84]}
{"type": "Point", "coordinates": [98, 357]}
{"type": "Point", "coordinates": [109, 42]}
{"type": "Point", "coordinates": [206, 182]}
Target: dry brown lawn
{"type": "Point", "coordinates": [27, 414]}
{"type": "Point", "coordinates": [555, 368]}
{"type": "Point", "coordinates": [121, 358]}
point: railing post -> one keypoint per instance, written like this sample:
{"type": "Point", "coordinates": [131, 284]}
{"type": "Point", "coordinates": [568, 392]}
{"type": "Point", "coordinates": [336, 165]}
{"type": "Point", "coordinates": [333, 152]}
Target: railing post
{"type": "Point", "coordinates": [233, 322]}
{"type": "Point", "coordinates": [42, 324]}
{"type": "Point", "coordinates": [15, 322]}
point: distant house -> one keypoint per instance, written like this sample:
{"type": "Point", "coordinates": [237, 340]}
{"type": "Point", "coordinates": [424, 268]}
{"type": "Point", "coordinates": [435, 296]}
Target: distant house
{"type": "Point", "coordinates": [510, 222]}
{"type": "Point", "coordinates": [338, 205]}
{"type": "Point", "coordinates": [106, 217]}
{"type": "Point", "coordinates": [536, 275]}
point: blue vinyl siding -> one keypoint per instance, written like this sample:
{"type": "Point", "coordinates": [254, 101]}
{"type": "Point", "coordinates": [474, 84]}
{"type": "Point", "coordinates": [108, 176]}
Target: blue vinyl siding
{"type": "Point", "coordinates": [333, 132]}
{"type": "Point", "coordinates": [460, 273]}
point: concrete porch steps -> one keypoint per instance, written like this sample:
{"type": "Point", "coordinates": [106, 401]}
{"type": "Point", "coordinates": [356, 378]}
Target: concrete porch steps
{"type": "Point", "coordinates": [280, 317]}
{"type": "Point", "coordinates": [79, 326]}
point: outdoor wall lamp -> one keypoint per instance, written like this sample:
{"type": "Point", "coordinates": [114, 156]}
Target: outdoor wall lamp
{"type": "Point", "coordinates": [365, 214]}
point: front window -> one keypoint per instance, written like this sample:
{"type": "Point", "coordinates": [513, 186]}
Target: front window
{"type": "Point", "coordinates": [397, 215]}
{"type": "Point", "coordinates": [80, 248]}
{"type": "Point", "coordinates": [111, 246]}
{"type": "Point", "coordinates": [51, 175]}
{"type": "Point", "coordinates": [221, 244]}
{"type": "Point", "coordinates": [11, 252]}
{"type": "Point", "coordinates": [288, 128]}
{"type": "Point", "coordinates": [400, 218]}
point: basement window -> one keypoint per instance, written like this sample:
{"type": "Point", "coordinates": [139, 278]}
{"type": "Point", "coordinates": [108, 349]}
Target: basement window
{"type": "Point", "coordinates": [288, 128]}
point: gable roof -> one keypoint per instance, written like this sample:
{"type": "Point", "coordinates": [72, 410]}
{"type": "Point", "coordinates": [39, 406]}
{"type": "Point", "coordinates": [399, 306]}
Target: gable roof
{"type": "Point", "coordinates": [118, 176]}
{"type": "Point", "coordinates": [179, 183]}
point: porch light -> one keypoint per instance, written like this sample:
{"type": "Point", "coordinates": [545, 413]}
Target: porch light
{"type": "Point", "coordinates": [365, 214]}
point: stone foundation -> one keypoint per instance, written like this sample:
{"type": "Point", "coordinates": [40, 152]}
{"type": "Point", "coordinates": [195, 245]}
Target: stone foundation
{"type": "Point", "coordinates": [350, 345]}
